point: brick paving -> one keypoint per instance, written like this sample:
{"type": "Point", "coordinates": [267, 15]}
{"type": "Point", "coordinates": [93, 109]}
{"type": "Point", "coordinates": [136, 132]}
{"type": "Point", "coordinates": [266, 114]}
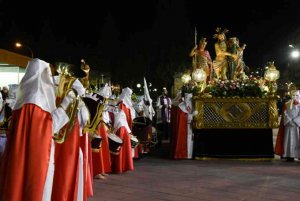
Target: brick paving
{"type": "Point", "coordinates": [157, 178]}
{"type": "Point", "coordinates": [212, 179]}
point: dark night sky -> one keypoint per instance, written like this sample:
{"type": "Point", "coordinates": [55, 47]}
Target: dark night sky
{"type": "Point", "coordinates": [266, 29]}
{"type": "Point", "coordinates": [83, 22]}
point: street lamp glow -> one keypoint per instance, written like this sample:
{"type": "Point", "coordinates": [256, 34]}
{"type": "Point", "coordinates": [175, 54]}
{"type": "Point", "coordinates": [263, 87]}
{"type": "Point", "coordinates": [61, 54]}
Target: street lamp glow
{"type": "Point", "coordinates": [295, 54]}
{"type": "Point", "coordinates": [138, 85]}
{"type": "Point", "coordinates": [20, 45]}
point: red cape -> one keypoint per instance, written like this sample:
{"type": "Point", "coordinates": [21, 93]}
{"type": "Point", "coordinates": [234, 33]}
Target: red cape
{"type": "Point", "coordinates": [279, 150]}
{"type": "Point", "coordinates": [180, 135]}
{"type": "Point", "coordinates": [138, 149]}
{"type": "Point", "coordinates": [87, 167]}
{"type": "Point", "coordinates": [65, 182]}
{"type": "Point", "coordinates": [26, 157]}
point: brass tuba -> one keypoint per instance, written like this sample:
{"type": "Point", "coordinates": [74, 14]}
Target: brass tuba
{"type": "Point", "coordinates": [96, 109]}
{"type": "Point", "coordinates": [68, 73]}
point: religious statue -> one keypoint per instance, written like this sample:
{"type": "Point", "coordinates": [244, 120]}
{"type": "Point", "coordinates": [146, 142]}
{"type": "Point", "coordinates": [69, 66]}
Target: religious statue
{"type": "Point", "coordinates": [202, 58]}
{"type": "Point", "coordinates": [220, 63]}
{"type": "Point", "coordinates": [236, 64]}
{"type": "Point", "coordinates": [241, 66]}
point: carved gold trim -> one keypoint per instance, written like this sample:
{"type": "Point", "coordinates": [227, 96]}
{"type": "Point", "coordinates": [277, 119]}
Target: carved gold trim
{"type": "Point", "coordinates": [236, 112]}
{"type": "Point", "coordinates": [273, 114]}
{"type": "Point", "coordinates": [198, 119]}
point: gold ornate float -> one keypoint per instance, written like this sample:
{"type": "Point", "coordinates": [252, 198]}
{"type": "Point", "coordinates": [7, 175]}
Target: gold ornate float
{"type": "Point", "coordinates": [232, 112]}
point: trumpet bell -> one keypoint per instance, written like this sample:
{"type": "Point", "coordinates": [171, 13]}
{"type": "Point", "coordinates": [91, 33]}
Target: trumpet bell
{"type": "Point", "coordinates": [70, 70]}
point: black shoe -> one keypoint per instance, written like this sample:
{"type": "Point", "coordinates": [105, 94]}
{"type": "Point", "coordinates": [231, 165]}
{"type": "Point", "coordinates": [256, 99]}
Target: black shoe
{"type": "Point", "coordinates": [288, 159]}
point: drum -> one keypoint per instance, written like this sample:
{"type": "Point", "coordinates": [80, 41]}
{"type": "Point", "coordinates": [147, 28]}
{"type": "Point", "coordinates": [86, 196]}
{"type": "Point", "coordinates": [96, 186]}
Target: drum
{"type": "Point", "coordinates": [96, 143]}
{"type": "Point", "coordinates": [142, 128]}
{"type": "Point", "coordinates": [115, 143]}
{"type": "Point", "coordinates": [134, 141]}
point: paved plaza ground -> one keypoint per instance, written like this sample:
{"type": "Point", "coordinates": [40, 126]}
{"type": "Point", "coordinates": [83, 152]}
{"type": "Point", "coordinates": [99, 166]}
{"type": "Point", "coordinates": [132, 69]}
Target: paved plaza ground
{"type": "Point", "coordinates": [160, 178]}
{"type": "Point", "coordinates": [211, 179]}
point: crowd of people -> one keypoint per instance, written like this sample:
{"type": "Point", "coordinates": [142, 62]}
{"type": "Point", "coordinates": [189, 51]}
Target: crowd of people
{"type": "Point", "coordinates": [49, 148]}
{"type": "Point", "coordinates": [56, 136]}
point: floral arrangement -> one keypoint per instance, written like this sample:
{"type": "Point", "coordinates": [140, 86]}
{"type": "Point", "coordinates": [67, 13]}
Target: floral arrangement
{"type": "Point", "coordinates": [191, 87]}
{"type": "Point", "coordinates": [251, 87]}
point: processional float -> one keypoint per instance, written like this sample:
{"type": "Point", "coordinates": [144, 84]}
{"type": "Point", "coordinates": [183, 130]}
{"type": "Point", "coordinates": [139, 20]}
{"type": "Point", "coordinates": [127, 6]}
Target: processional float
{"type": "Point", "coordinates": [231, 105]}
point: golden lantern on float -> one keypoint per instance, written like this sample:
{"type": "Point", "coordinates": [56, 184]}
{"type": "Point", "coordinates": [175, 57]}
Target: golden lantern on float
{"type": "Point", "coordinates": [185, 78]}
{"type": "Point", "coordinates": [271, 75]}
{"type": "Point", "coordinates": [199, 75]}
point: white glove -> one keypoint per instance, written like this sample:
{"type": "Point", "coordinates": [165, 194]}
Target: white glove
{"type": "Point", "coordinates": [68, 99]}
{"type": "Point", "coordinates": [81, 103]}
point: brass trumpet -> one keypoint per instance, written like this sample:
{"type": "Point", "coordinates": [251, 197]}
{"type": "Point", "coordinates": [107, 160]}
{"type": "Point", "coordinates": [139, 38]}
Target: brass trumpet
{"type": "Point", "coordinates": [68, 73]}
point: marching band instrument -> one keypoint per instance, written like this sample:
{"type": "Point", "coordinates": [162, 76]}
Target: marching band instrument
{"type": "Point", "coordinates": [68, 73]}
{"type": "Point", "coordinates": [96, 143]}
{"type": "Point", "coordinates": [96, 109]}
{"type": "Point", "coordinates": [116, 89]}
{"type": "Point", "coordinates": [134, 141]}
{"type": "Point", "coordinates": [115, 143]}
{"type": "Point", "coordinates": [142, 128]}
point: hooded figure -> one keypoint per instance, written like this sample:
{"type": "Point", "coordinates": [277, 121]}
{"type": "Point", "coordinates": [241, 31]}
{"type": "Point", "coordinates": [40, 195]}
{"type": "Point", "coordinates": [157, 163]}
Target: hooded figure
{"type": "Point", "coordinates": [287, 142]}
{"type": "Point", "coordinates": [69, 158]}
{"type": "Point", "coordinates": [101, 159]}
{"type": "Point", "coordinates": [291, 121]}
{"type": "Point", "coordinates": [105, 91]}
{"type": "Point", "coordinates": [126, 105]}
{"type": "Point", "coordinates": [27, 165]}
{"type": "Point", "coordinates": [123, 161]}
{"type": "Point", "coordinates": [183, 138]}
{"type": "Point", "coordinates": [149, 110]}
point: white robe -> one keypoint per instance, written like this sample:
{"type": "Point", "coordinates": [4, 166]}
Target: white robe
{"type": "Point", "coordinates": [291, 132]}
